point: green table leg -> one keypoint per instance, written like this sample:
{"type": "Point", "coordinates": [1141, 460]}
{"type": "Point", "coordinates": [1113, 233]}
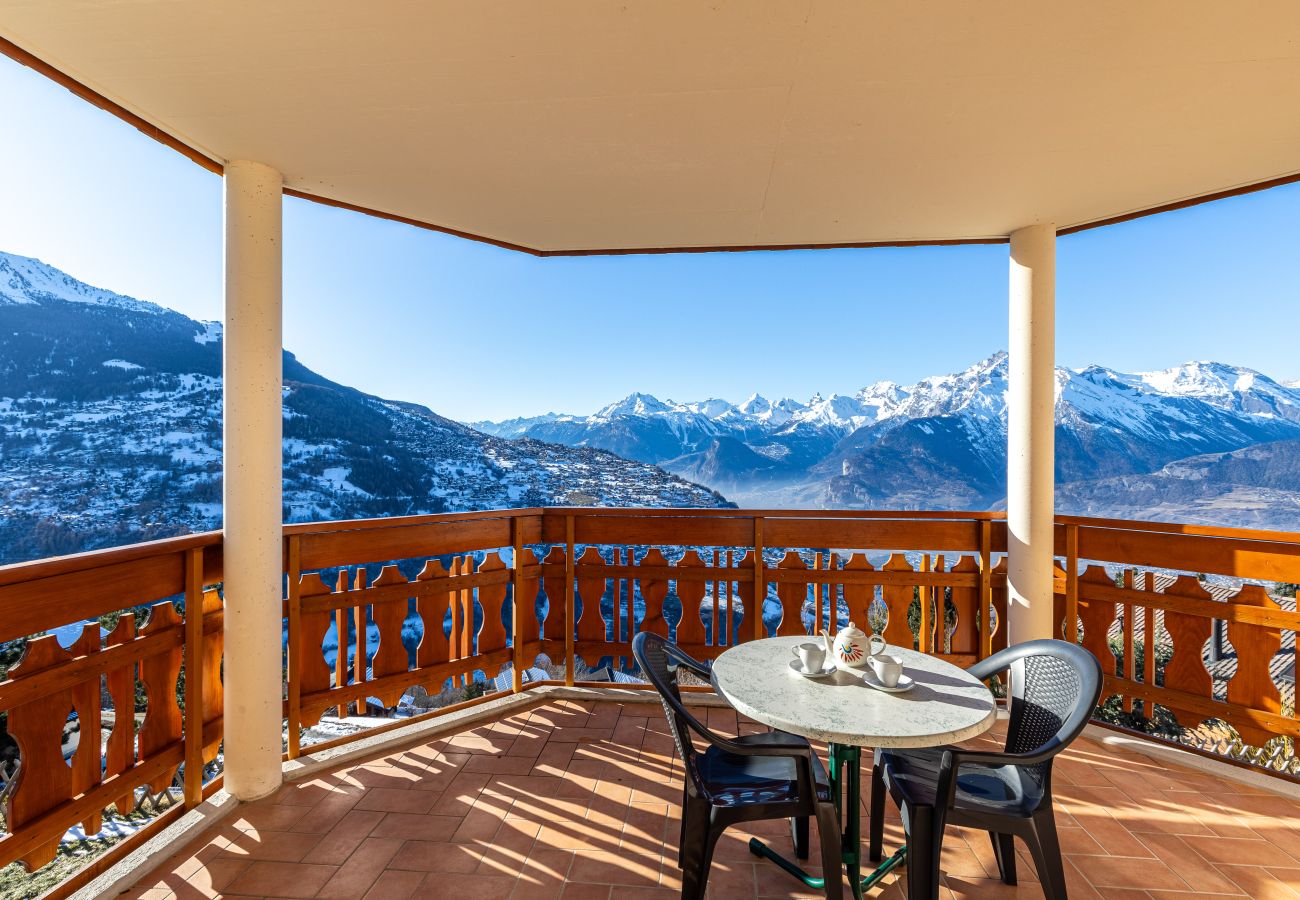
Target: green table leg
{"type": "Point", "coordinates": [845, 772]}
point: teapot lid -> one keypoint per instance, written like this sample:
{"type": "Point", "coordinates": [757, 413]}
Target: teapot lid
{"type": "Point", "coordinates": [851, 628]}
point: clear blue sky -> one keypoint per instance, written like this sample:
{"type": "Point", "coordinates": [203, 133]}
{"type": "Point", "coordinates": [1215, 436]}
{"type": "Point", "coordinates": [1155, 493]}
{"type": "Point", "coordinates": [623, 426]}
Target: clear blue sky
{"type": "Point", "coordinates": [478, 332]}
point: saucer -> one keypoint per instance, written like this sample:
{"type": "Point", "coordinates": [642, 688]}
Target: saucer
{"type": "Point", "coordinates": [829, 669]}
{"type": "Point", "coordinates": [904, 683]}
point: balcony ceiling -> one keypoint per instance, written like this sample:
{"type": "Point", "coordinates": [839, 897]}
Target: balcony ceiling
{"type": "Point", "coordinates": [589, 125]}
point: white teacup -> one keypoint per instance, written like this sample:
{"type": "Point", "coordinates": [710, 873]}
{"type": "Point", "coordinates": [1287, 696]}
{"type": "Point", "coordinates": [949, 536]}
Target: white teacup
{"type": "Point", "coordinates": [887, 669]}
{"type": "Point", "coordinates": [811, 656]}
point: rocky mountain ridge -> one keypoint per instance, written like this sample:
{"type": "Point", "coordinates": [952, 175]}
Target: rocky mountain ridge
{"type": "Point", "coordinates": [941, 443]}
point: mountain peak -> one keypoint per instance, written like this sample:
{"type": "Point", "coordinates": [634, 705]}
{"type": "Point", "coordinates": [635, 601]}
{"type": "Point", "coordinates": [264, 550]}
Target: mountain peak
{"type": "Point", "coordinates": [995, 364]}
{"type": "Point", "coordinates": [755, 405]}
{"type": "Point", "coordinates": [634, 404]}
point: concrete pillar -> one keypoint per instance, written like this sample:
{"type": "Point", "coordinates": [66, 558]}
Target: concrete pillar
{"type": "Point", "coordinates": [1031, 453]}
{"type": "Point", "coordinates": [252, 471]}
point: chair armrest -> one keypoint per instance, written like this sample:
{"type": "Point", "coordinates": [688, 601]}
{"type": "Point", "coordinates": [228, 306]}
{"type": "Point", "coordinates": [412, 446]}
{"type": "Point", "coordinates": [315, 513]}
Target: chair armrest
{"type": "Point", "coordinates": [1001, 758]}
{"type": "Point", "coordinates": [952, 761]}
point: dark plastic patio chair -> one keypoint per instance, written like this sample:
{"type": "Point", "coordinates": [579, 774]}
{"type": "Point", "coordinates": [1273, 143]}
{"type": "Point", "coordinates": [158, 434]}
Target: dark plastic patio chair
{"type": "Point", "coordinates": [1054, 689]}
{"type": "Point", "coordinates": [773, 775]}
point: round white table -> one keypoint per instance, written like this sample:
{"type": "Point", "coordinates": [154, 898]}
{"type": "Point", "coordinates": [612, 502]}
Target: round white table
{"type": "Point", "coordinates": [946, 705]}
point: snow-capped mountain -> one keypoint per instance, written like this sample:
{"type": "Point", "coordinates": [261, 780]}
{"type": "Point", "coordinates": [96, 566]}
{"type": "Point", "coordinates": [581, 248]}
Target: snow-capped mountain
{"type": "Point", "coordinates": [942, 441]}
{"type": "Point", "coordinates": [110, 432]}
{"type": "Point", "coordinates": [29, 282]}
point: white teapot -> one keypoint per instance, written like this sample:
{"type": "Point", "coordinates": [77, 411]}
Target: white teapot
{"type": "Point", "coordinates": [854, 647]}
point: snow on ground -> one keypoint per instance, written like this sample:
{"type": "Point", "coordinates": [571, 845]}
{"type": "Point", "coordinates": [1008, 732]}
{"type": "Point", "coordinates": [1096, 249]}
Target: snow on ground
{"type": "Point", "coordinates": [337, 478]}
{"type": "Point", "coordinates": [211, 333]}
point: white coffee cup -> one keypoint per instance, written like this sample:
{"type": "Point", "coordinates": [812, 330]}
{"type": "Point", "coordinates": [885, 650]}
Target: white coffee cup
{"type": "Point", "coordinates": [811, 656]}
{"type": "Point", "coordinates": [887, 669]}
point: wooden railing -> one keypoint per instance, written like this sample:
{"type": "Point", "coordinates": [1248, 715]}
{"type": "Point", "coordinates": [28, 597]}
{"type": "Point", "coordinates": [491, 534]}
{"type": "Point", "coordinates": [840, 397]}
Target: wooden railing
{"type": "Point", "coordinates": [1142, 600]}
{"type": "Point", "coordinates": [439, 592]}
{"type": "Point", "coordinates": [180, 727]}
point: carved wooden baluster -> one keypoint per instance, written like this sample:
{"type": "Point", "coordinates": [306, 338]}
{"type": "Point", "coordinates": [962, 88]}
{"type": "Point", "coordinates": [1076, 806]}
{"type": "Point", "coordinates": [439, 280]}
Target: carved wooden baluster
{"type": "Point", "coordinates": [999, 602]}
{"type": "Point", "coordinates": [1130, 646]}
{"type": "Point", "coordinates": [341, 634]}
{"type": "Point", "coordinates": [654, 591]}
{"type": "Point", "coordinates": [733, 600]}
{"type": "Point", "coordinates": [591, 583]}
{"type": "Point", "coordinates": [1059, 604]}
{"type": "Point", "coordinates": [313, 671]}
{"type": "Point", "coordinates": [793, 595]}
{"type": "Point", "coordinates": [214, 692]}
{"type": "Point", "coordinates": [924, 600]}
{"type": "Point", "coordinates": [750, 606]}
{"type": "Point", "coordinates": [859, 597]}
{"type": "Point", "coordinates": [937, 593]}
{"type": "Point", "coordinates": [391, 656]}
{"type": "Point", "coordinates": [1256, 645]}
{"type": "Point", "coordinates": [715, 627]}
{"type": "Point", "coordinates": [361, 657]}
{"type": "Point", "coordinates": [1186, 670]}
{"type": "Point", "coordinates": [1097, 617]}
{"type": "Point", "coordinates": [468, 627]}
{"type": "Point", "coordinates": [491, 598]}
{"type": "Point", "coordinates": [159, 673]}
{"type": "Point", "coordinates": [615, 588]}
{"type": "Point", "coordinates": [557, 594]}
{"type": "Point", "coordinates": [835, 588]}
{"type": "Point", "coordinates": [119, 752]}
{"type": "Point", "coordinates": [457, 613]}
{"type": "Point", "coordinates": [623, 625]}
{"type": "Point", "coordinates": [529, 617]}
{"type": "Point", "coordinates": [898, 598]}
{"type": "Point", "coordinates": [87, 761]}
{"type": "Point", "coordinates": [690, 630]}
{"type": "Point", "coordinates": [44, 780]}
{"type": "Point", "coordinates": [818, 621]}
{"type": "Point", "coordinates": [966, 604]}
{"type": "Point", "coordinates": [432, 606]}
{"type": "Point", "coordinates": [1140, 581]}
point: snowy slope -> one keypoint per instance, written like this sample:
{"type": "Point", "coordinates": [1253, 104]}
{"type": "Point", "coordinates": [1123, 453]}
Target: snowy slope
{"type": "Point", "coordinates": [27, 281]}
{"type": "Point", "coordinates": [110, 432]}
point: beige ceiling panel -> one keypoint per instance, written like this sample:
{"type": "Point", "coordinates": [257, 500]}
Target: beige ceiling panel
{"type": "Point", "coordinates": [580, 124]}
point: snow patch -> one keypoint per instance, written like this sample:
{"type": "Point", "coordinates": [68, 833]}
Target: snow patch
{"type": "Point", "coordinates": [211, 333]}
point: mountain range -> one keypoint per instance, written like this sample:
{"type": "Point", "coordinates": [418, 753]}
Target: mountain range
{"type": "Point", "coordinates": [110, 432]}
{"type": "Point", "coordinates": [1203, 442]}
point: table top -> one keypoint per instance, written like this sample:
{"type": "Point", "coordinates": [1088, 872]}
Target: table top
{"type": "Point", "coordinates": [946, 705]}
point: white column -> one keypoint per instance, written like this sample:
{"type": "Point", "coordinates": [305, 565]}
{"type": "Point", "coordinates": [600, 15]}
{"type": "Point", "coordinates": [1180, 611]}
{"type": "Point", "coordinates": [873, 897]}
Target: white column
{"type": "Point", "coordinates": [1031, 453]}
{"type": "Point", "coordinates": [252, 471]}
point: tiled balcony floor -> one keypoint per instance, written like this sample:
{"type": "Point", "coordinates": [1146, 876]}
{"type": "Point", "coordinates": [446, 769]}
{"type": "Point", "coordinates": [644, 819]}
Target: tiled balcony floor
{"type": "Point", "coordinates": [578, 800]}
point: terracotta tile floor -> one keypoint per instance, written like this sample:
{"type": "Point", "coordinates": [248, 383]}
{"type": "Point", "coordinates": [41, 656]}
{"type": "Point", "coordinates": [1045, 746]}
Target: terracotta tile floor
{"type": "Point", "coordinates": [578, 800]}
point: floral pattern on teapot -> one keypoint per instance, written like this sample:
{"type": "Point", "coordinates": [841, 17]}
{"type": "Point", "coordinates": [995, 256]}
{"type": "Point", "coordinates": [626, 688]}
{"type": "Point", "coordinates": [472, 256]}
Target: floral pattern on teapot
{"type": "Point", "coordinates": [853, 646]}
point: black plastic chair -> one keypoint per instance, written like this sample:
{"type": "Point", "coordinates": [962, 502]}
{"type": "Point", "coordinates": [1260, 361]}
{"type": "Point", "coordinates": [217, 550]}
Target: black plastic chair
{"type": "Point", "coordinates": [774, 775]}
{"type": "Point", "coordinates": [1054, 689]}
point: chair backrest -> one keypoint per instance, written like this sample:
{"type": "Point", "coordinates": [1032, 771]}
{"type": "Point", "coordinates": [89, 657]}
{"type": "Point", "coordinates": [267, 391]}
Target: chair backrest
{"type": "Point", "coordinates": [659, 660]}
{"type": "Point", "coordinates": [1054, 689]}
